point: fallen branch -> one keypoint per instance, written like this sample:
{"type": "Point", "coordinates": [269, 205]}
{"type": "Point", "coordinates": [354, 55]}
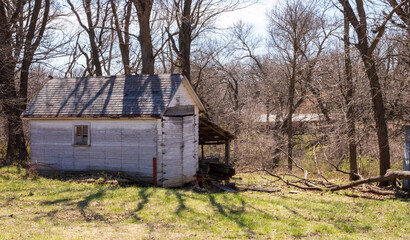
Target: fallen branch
{"type": "Point", "coordinates": [376, 190]}
{"type": "Point", "coordinates": [258, 189]}
{"type": "Point", "coordinates": [340, 170]}
{"type": "Point", "coordinates": [390, 175]}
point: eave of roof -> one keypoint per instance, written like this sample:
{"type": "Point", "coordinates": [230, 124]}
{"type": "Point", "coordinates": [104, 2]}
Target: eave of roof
{"type": "Point", "coordinates": [211, 133]}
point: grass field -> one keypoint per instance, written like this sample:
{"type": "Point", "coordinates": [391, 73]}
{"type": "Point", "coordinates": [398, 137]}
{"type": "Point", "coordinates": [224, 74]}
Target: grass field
{"type": "Point", "coordinates": [51, 209]}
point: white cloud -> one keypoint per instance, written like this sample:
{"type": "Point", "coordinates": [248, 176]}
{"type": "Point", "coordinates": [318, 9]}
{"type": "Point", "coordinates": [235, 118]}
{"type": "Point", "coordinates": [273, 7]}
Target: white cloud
{"type": "Point", "coordinates": [254, 14]}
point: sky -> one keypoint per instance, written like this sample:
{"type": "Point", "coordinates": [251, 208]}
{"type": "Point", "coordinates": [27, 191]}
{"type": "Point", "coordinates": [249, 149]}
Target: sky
{"type": "Point", "coordinates": [254, 14]}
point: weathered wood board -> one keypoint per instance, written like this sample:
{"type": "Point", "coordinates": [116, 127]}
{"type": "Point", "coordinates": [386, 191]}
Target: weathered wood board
{"type": "Point", "coordinates": [116, 145]}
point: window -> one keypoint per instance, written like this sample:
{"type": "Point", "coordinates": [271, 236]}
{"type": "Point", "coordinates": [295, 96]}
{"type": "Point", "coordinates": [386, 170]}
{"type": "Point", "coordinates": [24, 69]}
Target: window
{"type": "Point", "coordinates": [81, 135]}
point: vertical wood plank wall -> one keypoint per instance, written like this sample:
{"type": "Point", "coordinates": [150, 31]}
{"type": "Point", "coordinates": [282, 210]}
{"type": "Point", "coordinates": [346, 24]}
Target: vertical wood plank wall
{"type": "Point", "coordinates": [179, 143]}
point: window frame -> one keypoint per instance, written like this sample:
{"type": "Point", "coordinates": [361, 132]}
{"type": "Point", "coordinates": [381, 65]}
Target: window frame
{"type": "Point", "coordinates": [74, 134]}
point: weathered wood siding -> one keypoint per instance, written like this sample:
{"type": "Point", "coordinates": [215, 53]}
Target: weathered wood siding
{"type": "Point", "coordinates": [116, 145]}
{"type": "Point", "coordinates": [179, 143]}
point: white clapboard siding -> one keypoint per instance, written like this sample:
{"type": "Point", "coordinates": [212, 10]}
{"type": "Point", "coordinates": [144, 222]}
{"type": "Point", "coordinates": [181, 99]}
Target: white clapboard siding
{"type": "Point", "coordinates": [181, 97]}
{"type": "Point", "coordinates": [116, 145]}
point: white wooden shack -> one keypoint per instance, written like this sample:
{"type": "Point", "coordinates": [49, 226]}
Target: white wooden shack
{"type": "Point", "coordinates": [118, 124]}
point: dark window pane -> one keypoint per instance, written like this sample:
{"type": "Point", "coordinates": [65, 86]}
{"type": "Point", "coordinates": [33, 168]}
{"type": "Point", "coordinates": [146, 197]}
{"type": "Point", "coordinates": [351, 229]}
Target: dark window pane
{"type": "Point", "coordinates": [79, 131]}
{"type": "Point", "coordinates": [85, 140]}
{"type": "Point", "coordinates": [81, 135]}
{"type": "Point", "coordinates": [78, 140]}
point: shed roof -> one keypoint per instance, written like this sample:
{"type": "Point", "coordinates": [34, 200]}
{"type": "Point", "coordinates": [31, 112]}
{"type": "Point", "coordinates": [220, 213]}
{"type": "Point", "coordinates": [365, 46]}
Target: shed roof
{"type": "Point", "coordinates": [114, 96]}
{"type": "Point", "coordinates": [211, 133]}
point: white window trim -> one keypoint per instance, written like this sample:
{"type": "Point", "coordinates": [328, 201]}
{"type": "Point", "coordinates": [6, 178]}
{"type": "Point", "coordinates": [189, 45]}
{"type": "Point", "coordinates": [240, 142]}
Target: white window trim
{"type": "Point", "coordinates": [89, 134]}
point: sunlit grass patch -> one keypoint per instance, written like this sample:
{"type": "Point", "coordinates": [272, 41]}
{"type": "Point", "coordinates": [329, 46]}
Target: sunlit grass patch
{"type": "Point", "coordinates": [46, 208]}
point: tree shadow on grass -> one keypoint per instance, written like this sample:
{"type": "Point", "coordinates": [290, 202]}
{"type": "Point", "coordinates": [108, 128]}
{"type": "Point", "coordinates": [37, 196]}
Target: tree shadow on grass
{"type": "Point", "coordinates": [84, 204]}
{"type": "Point", "coordinates": [57, 201]}
{"type": "Point", "coordinates": [144, 199]}
{"type": "Point", "coordinates": [181, 202]}
{"type": "Point", "coordinates": [233, 215]}
{"type": "Point", "coordinates": [144, 196]}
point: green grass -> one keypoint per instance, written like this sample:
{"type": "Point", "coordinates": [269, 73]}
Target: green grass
{"type": "Point", "coordinates": [50, 209]}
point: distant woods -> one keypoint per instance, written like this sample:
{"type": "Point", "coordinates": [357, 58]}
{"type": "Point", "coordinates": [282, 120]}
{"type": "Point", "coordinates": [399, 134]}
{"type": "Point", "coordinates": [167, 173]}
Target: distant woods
{"type": "Point", "coordinates": [327, 82]}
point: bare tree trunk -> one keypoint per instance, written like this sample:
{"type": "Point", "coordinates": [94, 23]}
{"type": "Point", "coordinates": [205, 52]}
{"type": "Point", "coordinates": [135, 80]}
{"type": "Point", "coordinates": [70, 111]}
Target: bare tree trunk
{"type": "Point", "coordinates": [16, 145]}
{"type": "Point", "coordinates": [291, 96]}
{"type": "Point", "coordinates": [351, 125]}
{"type": "Point", "coordinates": [144, 12]}
{"type": "Point", "coordinates": [366, 52]}
{"type": "Point", "coordinates": [30, 48]}
{"type": "Point", "coordinates": [123, 40]}
{"type": "Point", "coordinates": [91, 33]}
{"type": "Point", "coordinates": [10, 103]}
{"type": "Point", "coordinates": [185, 39]}
{"type": "Point", "coordinates": [90, 29]}
{"type": "Point", "coordinates": [379, 115]}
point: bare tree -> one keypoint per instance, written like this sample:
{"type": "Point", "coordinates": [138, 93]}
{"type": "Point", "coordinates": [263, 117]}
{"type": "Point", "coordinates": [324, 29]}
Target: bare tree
{"type": "Point", "coordinates": [193, 18]}
{"type": "Point", "coordinates": [366, 49]}
{"type": "Point", "coordinates": [293, 29]}
{"type": "Point", "coordinates": [92, 23]}
{"type": "Point", "coordinates": [350, 116]}
{"type": "Point", "coordinates": [123, 33]}
{"type": "Point", "coordinates": [144, 8]}
{"type": "Point", "coordinates": [20, 33]}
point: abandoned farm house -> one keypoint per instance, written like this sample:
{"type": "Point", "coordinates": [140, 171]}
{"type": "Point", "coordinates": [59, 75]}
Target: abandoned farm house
{"type": "Point", "coordinates": [146, 127]}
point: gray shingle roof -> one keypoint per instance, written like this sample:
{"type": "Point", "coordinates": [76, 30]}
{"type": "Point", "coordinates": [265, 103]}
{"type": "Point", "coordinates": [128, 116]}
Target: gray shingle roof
{"type": "Point", "coordinates": [115, 96]}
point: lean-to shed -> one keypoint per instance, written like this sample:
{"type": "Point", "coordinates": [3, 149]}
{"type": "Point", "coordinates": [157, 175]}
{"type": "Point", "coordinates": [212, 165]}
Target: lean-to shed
{"type": "Point", "coordinates": [117, 124]}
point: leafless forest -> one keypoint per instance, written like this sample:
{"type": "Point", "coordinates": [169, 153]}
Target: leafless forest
{"type": "Point", "coordinates": [325, 90]}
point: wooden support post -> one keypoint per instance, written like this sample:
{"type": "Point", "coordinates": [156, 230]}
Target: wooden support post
{"type": "Point", "coordinates": [202, 152]}
{"type": "Point", "coordinates": [227, 157]}
{"type": "Point", "coordinates": [154, 167]}
{"type": "Point", "coordinates": [227, 153]}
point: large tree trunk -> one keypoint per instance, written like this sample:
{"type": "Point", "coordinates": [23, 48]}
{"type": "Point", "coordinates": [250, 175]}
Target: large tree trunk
{"type": "Point", "coordinates": [351, 125]}
{"type": "Point", "coordinates": [379, 114]}
{"type": "Point", "coordinates": [185, 39]}
{"type": "Point", "coordinates": [366, 52]}
{"type": "Point", "coordinates": [16, 144]}
{"type": "Point", "coordinates": [91, 34]}
{"type": "Point", "coordinates": [144, 12]}
{"type": "Point", "coordinates": [123, 40]}
{"type": "Point", "coordinates": [14, 101]}
{"type": "Point", "coordinates": [16, 147]}
{"type": "Point", "coordinates": [30, 47]}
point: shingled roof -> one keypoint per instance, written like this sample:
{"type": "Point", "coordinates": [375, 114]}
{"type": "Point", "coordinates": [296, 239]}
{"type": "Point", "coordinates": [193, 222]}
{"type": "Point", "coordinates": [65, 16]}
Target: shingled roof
{"type": "Point", "coordinates": [115, 96]}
